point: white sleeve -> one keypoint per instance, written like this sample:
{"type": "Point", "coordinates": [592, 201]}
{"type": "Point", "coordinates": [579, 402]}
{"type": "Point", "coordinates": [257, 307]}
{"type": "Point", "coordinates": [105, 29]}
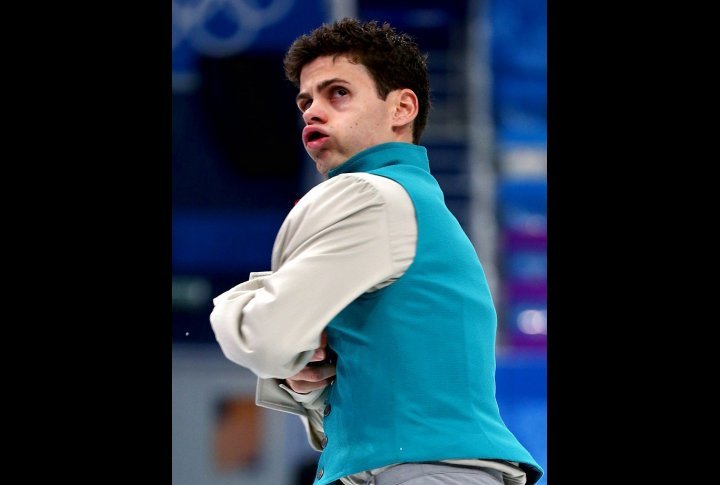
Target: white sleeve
{"type": "Point", "coordinates": [333, 246]}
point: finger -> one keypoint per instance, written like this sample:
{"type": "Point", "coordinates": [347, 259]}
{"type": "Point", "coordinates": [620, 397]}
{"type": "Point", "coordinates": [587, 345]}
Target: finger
{"type": "Point", "coordinates": [323, 339]}
{"type": "Point", "coordinates": [307, 386]}
{"type": "Point", "coordinates": [315, 374]}
{"type": "Point", "coordinates": [319, 355]}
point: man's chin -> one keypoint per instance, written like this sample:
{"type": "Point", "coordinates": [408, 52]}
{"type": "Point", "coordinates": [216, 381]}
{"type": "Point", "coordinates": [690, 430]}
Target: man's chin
{"type": "Point", "coordinates": [323, 165]}
{"type": "Point", "coordinates": [321, 168]}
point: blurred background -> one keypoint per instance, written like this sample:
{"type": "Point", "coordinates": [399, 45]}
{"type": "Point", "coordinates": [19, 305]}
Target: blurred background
{"type": "Point", "coordinates": [238, 166]}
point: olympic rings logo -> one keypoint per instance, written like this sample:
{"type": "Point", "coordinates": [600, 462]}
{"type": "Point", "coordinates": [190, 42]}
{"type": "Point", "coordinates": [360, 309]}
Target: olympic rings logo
{"type": "Point", "coordinates": [191, 18]}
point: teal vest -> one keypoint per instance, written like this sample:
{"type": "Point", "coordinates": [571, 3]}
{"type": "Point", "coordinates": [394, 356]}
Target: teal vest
{"type": "Point", "coordinates": [416, 360]}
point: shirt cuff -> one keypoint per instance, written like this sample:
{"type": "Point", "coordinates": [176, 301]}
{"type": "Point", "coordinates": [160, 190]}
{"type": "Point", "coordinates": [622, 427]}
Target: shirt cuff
{"type": "Point", "coordinates": [269, 394]}
{"type": "Point", "coordinates": [273, 394]}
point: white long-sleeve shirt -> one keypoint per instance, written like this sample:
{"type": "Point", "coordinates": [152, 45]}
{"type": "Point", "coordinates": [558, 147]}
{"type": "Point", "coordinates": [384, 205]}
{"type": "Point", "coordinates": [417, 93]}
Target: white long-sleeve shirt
{"type": "Point", "coordinates": [351, 234]}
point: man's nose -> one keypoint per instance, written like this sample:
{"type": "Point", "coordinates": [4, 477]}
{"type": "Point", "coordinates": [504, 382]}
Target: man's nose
{"type": "Point", "coordinates": [314, 114]}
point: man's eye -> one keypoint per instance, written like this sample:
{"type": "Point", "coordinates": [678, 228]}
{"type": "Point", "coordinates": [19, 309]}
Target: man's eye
{"type": "Point", "coordinates": [340, 91]}
{"type": "Point", "coordinates": [304, 105]}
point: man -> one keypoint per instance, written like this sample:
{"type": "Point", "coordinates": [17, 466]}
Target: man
{"type": "Point", "coordinates": [372, 269]}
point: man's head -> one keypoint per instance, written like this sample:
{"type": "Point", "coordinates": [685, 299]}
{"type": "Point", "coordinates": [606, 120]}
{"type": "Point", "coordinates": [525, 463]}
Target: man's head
{"type": "Point", "coordinates": [360, 84]}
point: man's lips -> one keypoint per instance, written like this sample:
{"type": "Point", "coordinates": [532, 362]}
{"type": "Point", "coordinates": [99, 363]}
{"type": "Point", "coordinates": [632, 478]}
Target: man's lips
{"type": "Point", "coordinates": [314, 137]}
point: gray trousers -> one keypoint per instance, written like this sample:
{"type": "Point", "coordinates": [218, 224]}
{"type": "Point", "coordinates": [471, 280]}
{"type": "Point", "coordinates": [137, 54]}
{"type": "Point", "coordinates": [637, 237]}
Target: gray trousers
{"type": "Point", "coordinates": [436, 474]}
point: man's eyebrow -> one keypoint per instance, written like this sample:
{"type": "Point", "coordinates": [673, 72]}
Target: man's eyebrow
{"type": "Point", "coordinates": [320, 87]}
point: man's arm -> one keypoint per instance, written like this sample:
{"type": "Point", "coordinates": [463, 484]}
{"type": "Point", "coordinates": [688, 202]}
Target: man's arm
{"type": "Point", "coordinates": [400, 216]}
{"type": "Point", "coordinates": [333, 246]}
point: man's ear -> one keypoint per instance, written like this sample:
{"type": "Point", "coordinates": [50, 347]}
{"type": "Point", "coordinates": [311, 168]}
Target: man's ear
{"type": "Point", "coordinates": [405, 108]}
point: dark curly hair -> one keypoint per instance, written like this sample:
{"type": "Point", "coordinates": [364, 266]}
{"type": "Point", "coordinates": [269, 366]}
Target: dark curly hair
{"type": "Point", "coordinates": [393, 59]}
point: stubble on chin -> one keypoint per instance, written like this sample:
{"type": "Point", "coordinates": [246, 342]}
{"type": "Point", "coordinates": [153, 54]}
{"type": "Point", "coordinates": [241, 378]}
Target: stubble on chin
{"type": "Point", "coordinates": [323, 173]}
{"type": "Point", "coordinates": [322, 166]}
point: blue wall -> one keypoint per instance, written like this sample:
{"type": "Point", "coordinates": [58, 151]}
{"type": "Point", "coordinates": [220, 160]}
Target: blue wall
{"type": "Point", "coordinates": [522, 398]}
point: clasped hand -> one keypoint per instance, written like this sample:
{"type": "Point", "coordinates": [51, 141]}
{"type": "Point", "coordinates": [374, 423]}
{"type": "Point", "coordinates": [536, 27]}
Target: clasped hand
{"type": "Point", "coordinates": [314, 376]}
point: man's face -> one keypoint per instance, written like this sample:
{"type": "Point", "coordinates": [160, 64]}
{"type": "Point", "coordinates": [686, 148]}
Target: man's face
{"type": "Point", "coordinates": [342, 111]}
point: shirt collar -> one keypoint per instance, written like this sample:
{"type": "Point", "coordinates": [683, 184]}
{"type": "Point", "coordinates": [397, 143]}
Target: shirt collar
{"type": "Point", "coordinates": [383, 155]}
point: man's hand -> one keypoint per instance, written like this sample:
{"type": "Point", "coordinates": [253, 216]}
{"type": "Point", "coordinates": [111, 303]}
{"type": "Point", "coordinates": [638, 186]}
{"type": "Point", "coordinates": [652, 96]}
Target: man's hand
{"type": "Point", "coordinates": [315, 375]}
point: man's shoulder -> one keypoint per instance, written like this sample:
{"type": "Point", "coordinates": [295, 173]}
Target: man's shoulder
{"type": "Point", "coordinates": [353, 189]}
{"type": "Point", "coordinates": [352, 182]}
{"type": "Point", "coordinates": [386, 187]}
